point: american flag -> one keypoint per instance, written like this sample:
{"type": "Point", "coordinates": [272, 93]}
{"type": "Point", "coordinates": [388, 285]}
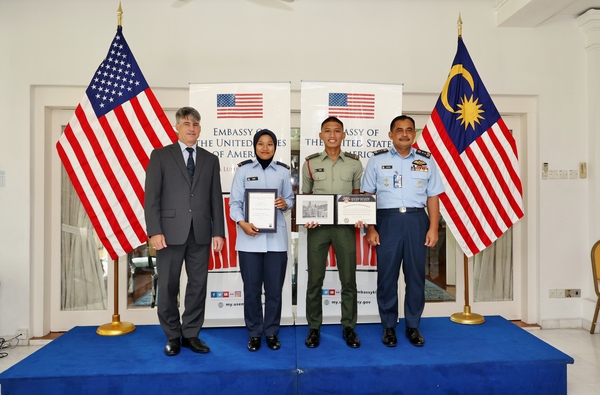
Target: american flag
{"type": "Point", "coordinates": [477, 157]}
{"type": "Point", "coordinates": [240, 105]}
{"type": "Point", "coordinates": [106, 147]}
{"type": "Point", "coordinates": [352, 105]}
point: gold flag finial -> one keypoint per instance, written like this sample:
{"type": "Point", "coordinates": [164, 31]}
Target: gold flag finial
{"type": "Point", "coordinates": [119, 15]}
{"type": "Point", "coordinates": [459, 23]}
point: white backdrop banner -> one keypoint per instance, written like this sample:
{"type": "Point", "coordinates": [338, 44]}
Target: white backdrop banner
{"type": "Point", "coordinates": [366, 111]}
{"type": "Point", "coordinates": [231, 115]}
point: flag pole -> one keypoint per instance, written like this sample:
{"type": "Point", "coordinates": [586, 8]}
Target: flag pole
{"type": "Point", "coordinates": [466, 317]}
{"type": "Point", "coordinates": [116, 327]}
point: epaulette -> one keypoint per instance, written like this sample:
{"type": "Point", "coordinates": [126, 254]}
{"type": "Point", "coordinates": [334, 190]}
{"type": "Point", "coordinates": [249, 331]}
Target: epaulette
{"type": "Point", "coordinates": [244, 162]}
{"type": "Point", "coordinates": [282, 164]}
{"type": "Point", "coordinates": [423, 153]}
{"type": "Point", "coordinates": [309, 157]}
{"type": "Point", "coordinates": [349, 155]}
{"type": "Point", "coordinates": [380, 151]}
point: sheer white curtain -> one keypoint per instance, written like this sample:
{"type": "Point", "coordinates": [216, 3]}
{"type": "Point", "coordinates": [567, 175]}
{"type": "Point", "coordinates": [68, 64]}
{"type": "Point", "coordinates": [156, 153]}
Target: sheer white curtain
{"type": "Point", "coordinates": [83, 280]}
{"type": "Point", "coordinates": [493, 271]}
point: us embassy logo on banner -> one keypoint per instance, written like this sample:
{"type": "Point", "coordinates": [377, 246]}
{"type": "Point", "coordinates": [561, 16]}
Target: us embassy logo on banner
{"type": "Point", "coordinates": [233, 113]}
{"type": "Point", "coordinates": [240, 105]}
{"type": "Point", "coordinates": [352, 105]}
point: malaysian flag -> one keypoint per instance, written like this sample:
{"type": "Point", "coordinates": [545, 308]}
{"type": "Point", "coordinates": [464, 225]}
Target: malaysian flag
{"type": "Point", "coordinates": [106, 147]}
{"type": "Point", "coordinates": [240, 105]}
{"type": "Point", "coordinates": [352, 105]}
{"type": "Point", "coordinates": [477, 157]}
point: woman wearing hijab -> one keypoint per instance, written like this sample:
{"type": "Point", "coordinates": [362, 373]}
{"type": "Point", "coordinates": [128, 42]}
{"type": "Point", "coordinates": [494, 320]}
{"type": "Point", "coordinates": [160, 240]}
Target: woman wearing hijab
{"type": "Point", "coordinates": [263, 256]}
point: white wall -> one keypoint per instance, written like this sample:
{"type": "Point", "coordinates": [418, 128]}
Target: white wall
{"type": "Point", "coordinates": [61, 42]}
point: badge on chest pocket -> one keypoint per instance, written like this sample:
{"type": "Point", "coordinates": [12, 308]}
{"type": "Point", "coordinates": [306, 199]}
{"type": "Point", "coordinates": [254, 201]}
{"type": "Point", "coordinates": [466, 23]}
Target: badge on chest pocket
{"type": "Point", "coordinates": [397, 181]}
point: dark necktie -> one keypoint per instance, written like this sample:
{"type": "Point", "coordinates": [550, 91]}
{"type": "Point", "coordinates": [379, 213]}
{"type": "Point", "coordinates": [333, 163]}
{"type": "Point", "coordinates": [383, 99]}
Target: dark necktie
{"type": "Point", "coordinates": [190, 163]}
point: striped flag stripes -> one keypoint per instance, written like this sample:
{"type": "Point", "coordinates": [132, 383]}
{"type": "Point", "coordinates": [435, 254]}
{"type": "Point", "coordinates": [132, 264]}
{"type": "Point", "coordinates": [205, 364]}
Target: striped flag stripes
{"type": "Point", "coordinates": [106, 147]}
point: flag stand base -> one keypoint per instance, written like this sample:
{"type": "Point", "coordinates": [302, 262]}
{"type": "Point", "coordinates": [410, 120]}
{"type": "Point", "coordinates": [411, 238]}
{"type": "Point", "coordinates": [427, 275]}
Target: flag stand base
{"type": "Point", "coordinates": [116, 327]}
{"type": "Point", "coordinates": [467, 318]}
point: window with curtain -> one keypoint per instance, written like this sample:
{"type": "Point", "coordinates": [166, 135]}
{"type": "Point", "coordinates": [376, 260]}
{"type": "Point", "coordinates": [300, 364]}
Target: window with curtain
{"type": "Point", "coordinates": [83, 258]}
{"type": "Point", "coordinates": [493, 271]}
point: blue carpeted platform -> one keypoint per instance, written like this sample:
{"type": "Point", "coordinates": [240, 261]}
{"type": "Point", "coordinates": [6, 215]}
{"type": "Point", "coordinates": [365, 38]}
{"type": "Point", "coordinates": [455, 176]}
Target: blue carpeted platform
{"type": "Point", "coordinates": [496, 357]}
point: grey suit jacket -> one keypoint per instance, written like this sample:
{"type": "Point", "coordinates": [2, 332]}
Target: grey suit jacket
{"type": "Point", "coordinates": [171, 204]}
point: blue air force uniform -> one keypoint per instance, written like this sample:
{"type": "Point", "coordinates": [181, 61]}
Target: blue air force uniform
{"type": "Point", "coordinates": [402, 186]}
{"type": "Point", "coordinates": [263, 258]}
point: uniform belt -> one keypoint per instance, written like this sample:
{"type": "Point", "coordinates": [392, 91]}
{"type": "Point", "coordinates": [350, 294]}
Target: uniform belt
{"type": "Point", "coordinates": [401, 210]}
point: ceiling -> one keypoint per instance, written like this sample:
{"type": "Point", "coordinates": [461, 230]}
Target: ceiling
{"type": "Point", "coordinates": [530, 13]}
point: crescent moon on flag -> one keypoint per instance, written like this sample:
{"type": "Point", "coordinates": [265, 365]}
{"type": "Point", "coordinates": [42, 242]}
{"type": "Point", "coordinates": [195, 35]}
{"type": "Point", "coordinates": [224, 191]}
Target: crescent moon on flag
{"type": "Point", "coordinates": [457, 69]}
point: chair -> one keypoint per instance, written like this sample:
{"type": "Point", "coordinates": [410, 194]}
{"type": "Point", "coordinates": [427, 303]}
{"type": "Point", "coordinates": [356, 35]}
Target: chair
{"type": "Point", "coordinates": [143, 259]}
{"type": "Point", "coordinates": [596, 276]}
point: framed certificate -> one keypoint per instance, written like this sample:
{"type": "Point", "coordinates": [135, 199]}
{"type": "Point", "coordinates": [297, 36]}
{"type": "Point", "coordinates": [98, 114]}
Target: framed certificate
{"type": "Point", "coordinates": [260, 209]}
{"type": "Point", "coordinates": [315, 208]}
{"type": "Point", "coordinates": [353, 208]}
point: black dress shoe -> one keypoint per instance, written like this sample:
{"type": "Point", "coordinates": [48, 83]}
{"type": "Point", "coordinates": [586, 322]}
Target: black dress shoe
{"type": "Point", "coordinates": [351, 337]}
{"type": "Point", "coordinates": [273, 342]}
{"type": "Point", "coordinates": [173, 347]}
{"type": "Point", "coordinates": [195, 344]}
{"type": "Point", "coordinates": [389, 337]}
{"type": "Point", "coordinates": [313, 338]}
{"type": "Point", "coordinates": [254, 343]}
{"type": "Point", "coordinates": [414, 336]}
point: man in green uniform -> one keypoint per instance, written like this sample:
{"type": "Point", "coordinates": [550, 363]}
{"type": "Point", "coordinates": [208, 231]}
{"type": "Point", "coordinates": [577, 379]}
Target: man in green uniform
{"type": "Point", "coordinates": [331, 172]}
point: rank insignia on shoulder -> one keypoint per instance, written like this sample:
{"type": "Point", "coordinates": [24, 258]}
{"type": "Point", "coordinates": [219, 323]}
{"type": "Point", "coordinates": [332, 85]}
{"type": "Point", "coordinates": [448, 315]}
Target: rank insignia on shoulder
{"type": "Point", "coordinates": [282, 164]}
{"type": "Point", "coordinates": [349, 155]}
{"type": "Point", "coordinates": [424, 153]}
{"type": "Point", "coordinates": [380, 151]}
{"type": "Point", "coordinates": [244, 162]}
{"type": "Point", "coordinates": [309, 157]}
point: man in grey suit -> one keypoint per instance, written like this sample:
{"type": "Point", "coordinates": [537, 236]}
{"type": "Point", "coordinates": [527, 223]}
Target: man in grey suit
{"type": "Point", "coordinates": [184, 214]}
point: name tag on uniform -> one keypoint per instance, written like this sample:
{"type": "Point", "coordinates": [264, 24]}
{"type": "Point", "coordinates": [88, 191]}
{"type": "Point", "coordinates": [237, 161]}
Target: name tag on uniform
{"type": "Point", "coordinates": [321, 170]}
{"type": "Point", "coordinates": [252, 179]}
{"type": "Point", "coordinates": [387, 167]}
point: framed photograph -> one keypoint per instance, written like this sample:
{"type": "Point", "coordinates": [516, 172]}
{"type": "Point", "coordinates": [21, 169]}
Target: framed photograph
{"type": "Point", "coordinates": [260, 209]}
{"type": "Point", "coordinates": [353, 208]}
{"type": "Point", "coordinates": [315, 208]}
